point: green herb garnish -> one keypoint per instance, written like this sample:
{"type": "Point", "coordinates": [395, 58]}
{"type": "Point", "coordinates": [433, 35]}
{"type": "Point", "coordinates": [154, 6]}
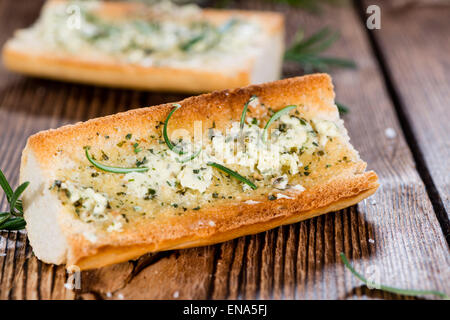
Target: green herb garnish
{"type": "Point", "coordinates": [275, 117]}
{"type": "Point", "coordinates": [307, 52]}
{"type": "Point", "coordinates": [244, 111]}
{"type": "Point", "coordinates": [191, 157]}
{"type": "Point", "coordinates": [341, 108]}
{"type": "Point", "coordinates": [211, 38]}
{"type": "Point", "coordinates": [136, 148]}
{"type": "Point", "coordinates": [405, 292]}
{"type": "Point", "coordinates": [233, 174]}
{"type": "Point", "coordinates": [165, 135]}
{"type": "Point", "coordinates": [170, 144]}
{"type": "Point", "coordinates": [110, 168]}
{"type": "Point", "coordinates": [12, 220]}
{"type": "Point", "coordinates": [314, 6]}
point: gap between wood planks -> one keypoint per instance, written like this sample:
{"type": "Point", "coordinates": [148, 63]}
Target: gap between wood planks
{"type": "Point", "coordinates": [410, 137]}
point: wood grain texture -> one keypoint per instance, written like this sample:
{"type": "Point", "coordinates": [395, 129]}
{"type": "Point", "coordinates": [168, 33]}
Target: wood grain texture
{"type": "Point", "coordinates": [415, 43]}
{"type": "Point", "coordinates": [395, 233]}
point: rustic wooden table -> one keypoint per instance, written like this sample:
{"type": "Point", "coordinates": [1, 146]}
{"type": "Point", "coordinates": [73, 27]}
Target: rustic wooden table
{"type": "Point", "coordinates": [401, 233]}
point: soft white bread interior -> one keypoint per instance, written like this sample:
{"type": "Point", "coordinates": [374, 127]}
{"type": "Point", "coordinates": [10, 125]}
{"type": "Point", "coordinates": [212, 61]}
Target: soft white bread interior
{"type": "Point", "coordinates": [331, 179]}
{"type": "Point", "coordinates": [28, 53]}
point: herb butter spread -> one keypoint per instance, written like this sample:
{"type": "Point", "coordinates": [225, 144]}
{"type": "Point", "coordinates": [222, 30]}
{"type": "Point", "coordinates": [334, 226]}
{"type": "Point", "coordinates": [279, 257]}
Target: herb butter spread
{"type": "Point", "coordinates": [161, 34]}
{"type": "Point", "coordinates": [235, 164]}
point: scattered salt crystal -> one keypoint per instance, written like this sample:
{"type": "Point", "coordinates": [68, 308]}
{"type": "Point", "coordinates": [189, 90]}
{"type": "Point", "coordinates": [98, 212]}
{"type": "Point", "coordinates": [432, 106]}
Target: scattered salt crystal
{"type": "Point", "coordinates": [109, 294]}
{"type": "Point", "coordinates": [120, 296]}
{"type": "Point", "coordinates": [251, 202]}
{"type": "Point", "coordinates": [371, 241]}
{"type": "Point", "coordinates": [2, 254]}
{"type": "Point", "coordinates": [390, 133]}
{"type": "Point", "coordinates": [176, 294]}
{"type": "Point", "coordinates": [212, 223]}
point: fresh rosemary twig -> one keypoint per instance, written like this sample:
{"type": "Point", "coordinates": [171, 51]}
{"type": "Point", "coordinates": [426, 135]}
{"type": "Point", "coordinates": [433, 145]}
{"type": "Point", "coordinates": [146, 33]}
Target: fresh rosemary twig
{"type": "Point", "coordinates": [307, 52]}
{"type": "Point", "coordinates": [12, 220]}
{"type": "Point", "coordinates": [405, 292]}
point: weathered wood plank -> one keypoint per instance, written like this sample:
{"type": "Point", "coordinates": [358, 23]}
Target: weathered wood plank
{"type": "Point", "coordinates": [396, 231]}
{"type": "Point", "coordinates": [415, 43]}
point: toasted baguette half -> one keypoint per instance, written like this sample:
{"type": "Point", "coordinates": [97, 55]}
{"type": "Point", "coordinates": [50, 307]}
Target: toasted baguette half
{"type": "Point", "coordinates": [27, 53]}
{"type": "Point", "coordinates": [336, 178]}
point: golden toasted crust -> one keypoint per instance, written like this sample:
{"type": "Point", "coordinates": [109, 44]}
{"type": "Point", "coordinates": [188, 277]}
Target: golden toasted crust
{"type": "Point", "coordinates": [313, 94]}
{"type": "Point", "coordinates": [21, 57]}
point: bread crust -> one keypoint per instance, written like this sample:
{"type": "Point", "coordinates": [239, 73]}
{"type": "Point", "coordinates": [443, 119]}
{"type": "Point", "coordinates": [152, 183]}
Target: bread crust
{"type": "Point", "coordinates": [49, 149]}
{"type": "Point", "coordinates": [20, 57]}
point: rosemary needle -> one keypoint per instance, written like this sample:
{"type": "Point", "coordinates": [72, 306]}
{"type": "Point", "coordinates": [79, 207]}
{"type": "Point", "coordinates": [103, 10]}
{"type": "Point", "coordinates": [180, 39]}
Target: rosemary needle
{"type": "Point", "coordinates": [169, 143]}
{"type": "Point", "coordinates": [342, 108]}
{"type": "Point", "coordinates": [405, 292]}
{"type": "Point", "coordinates": [110, 168]}
{"type": "Point", "coordinates": [308, 52]}
{"type": "Point", "coordinates": [274, 118]}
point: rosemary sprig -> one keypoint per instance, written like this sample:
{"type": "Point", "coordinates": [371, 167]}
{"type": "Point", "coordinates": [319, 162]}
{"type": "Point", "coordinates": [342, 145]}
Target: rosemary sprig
{"type": "Point", "coordinates": [12, 220]}
{"type": "Point", "coordinates": [307, 52]}
{"type": "Point", "coordinates": [244, 111]}
{"type": "Point", "coordinates": [405, 292]}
